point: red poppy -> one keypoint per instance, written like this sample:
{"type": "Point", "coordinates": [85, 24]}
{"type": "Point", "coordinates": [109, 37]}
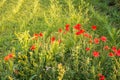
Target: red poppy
{"type": "Point", "coordinates": [111, 54]}
{"type": "Point", "coordinates": [114, 49]}
{"type": "Point", "coordinates": [118, 52]}
{"type": "Point", "coordinates": [96, 40]}
{"type": "Point", "coordinates": [41, 35]}
{"type": "Point", "coordinates": [77, 27]}
{"type": "Point", "coordinates": [87, 35]}
{"type": "Point", "coordinates": [80, 32]}
{"type": "Point", "coordinates": [94, 27]}
{"type": "Point", "coordinates": [36, 36]}
{"type": "Point", "coordinates": [101, 77]}
{"type": "Point", "coordinates": [67, 27]}
{"type": "Point", "coordinates": [60, 30]}
{"type": "Point", "coordinates": [103, 38]}
{"type": "Point", "coordinates": [52, 39]}
{"type": "Point", "coordinates": [11, 55]}
{"type": "Point", "coordinates": [87, 49]}
{"type": "Point", "coordinates": [6, 58]}
{"type": "Point", "coordinates": [106, 47]}
{"type": "Point", "coordinates": [96, 54]}
{"type": "Point", "coordinates": [32, 47]}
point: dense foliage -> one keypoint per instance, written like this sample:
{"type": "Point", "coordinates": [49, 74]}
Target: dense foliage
{"type": "Point", "coordinates": [58, 40]}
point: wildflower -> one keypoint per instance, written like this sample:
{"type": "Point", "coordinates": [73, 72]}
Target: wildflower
{"type": "Point", "coordinates": [111, 54]}
{"type": "Point", "coordinates": [101, 77]}
{"type": "Point", "coordinates": [87, 49]}
{"type": "Point", "coordinates": [60, 30]}
{"type": "Point", "coordinates": [6, 58]}
{"type": "Point", "coordinates": [106, 47]}
{"type": "Point", "coordinates": [67, 27]}
{"type": "Point", "coordinates": [103, 38]}
{"type": "Point", "coordinates": [114, 49]}
{"type": "Point", "coordinates": [77, 27]}
{"type": "Point", "coordinates": [10, 55]}
{"type": "Point", "coordinates": [61, 71]}
{"type": "Point", "coordinates": [87, 35]}
{"type": "Point", "coordinates": [96, 40]}
{"type": "Point", "coordinates": [41, 35]}
{"type": "Point", "coordinates": [94, 27]}
{"type": "Point", "coordinates": [36, 36]}
{"type": "Point", "coordinates": [80, 32]}
{"type": "Point", "coordinates": [96, 54]}
{"type": "Point", "coordinates": [118, 52]}
{"type": "Point", "coordinates": [52, 39]}
{"type": "Point", "coordinates": [32, 47]}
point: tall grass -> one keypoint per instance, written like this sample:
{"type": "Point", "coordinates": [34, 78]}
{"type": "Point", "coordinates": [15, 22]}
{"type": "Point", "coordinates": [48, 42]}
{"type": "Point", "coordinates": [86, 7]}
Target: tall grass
{"type": "Point", "coordinates": [20, 19]}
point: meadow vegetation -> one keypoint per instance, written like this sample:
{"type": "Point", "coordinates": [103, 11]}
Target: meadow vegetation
{"type": "Point", "coordinates": [59, 40]}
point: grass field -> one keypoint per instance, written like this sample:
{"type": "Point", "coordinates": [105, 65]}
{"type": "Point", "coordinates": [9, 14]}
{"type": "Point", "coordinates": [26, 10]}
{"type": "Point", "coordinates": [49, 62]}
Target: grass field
{"type": "Point", "coordinates": [59, 40]}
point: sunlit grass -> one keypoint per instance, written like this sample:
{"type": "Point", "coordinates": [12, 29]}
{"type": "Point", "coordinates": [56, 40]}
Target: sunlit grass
{"type": "Point", "coordinates": [20, 19]}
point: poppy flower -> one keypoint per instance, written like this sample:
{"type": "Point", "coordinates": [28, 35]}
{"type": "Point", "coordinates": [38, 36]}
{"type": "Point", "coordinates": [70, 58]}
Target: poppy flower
{"type": "Point", "coordinates": [52, 39]}
{"type": "Point", "coordinates": [36, 36]}
{"type": "Point", "coordinates": [106, 47]}
{"type": "Point", "coordinates": [114, 49]}
{"type": "Point", "coordinates": [94, 27]}
{"type": "Point", "coordinates": [118, 52]}
{"type": "Point", "coordinates": [101, 77]}
{"type": "Point", "coordinates": [11, 55]}
{"type": "Point", "coordinates": [87, 49]}
{"type": "Point", "coordinates": [111, 54]}
{"type": "Point", "coordinates": [60, 30]}
{"type": "Point", "coordinates": [87, 35]}
{"type": "Point", "coordinates": [41, 35]}
{"type": "Point", "coordinates": [80, 32]}
{"type": "Point", "coordinates": [77, 27]}
{"type": "Point", "coordinates": [33, 47]}
{"type": "Point", "coordinates": [103, 38]}
{"type": "Point", "coordinates": [96, 54]}
{"type": "Point", "coordinates": [96, 40]}
{"type": "Point", "coordinates": [6, 58]}
{"type": "Point", "coordinates": [67, 27]}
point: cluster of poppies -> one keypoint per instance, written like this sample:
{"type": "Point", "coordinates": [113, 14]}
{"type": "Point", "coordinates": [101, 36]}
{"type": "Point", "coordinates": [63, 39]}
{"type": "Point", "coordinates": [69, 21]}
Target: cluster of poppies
{"type": "Point", "coordinates": [114, 51]}
{"type": "Point", "coordinates": [77, 31]}
{"type": "Point", "coordinates": [80, 31]}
